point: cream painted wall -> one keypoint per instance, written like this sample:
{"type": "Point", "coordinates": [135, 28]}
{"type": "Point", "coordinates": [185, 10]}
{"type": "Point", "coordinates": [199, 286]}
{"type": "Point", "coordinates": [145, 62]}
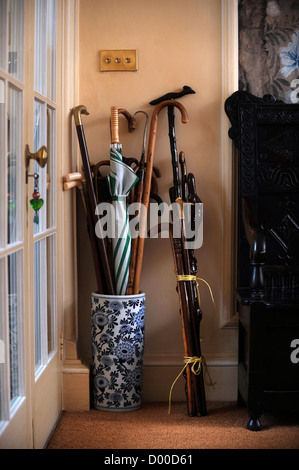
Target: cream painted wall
{"type": "Point", "coordinates": [178, 43]}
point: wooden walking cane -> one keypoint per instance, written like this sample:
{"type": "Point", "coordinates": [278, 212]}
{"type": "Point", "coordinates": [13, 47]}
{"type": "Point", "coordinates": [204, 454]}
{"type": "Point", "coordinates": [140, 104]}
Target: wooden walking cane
{"type": "Point", "coordinates": [138, 199]}
{"type": "Point", "coordinates": [107, 286]}
{"type": "Point", "coordinates": [147, 182]}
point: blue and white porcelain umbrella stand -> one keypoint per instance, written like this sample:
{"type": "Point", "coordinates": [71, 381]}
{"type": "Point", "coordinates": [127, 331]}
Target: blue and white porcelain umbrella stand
{"type": "Point", "coordinates": [117, 357]}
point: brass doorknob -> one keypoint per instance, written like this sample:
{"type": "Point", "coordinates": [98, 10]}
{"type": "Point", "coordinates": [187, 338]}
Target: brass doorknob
{"type": "Point", "coordinates": [41, 156]}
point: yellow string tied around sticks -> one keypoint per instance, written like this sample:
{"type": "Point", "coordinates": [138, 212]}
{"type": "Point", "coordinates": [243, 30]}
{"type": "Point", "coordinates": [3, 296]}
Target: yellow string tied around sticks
{"type": "Point", "coordinates": [196, 369]}
{"type": "Point", "coordinates": [195, 361]}
{"type": "Point", "coordinates": [189, 277]}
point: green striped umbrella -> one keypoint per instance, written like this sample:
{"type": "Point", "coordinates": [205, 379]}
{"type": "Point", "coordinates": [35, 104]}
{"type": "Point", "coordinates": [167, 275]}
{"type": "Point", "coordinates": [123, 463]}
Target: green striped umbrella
{"type": "Point", "coordinates": [121, 180]}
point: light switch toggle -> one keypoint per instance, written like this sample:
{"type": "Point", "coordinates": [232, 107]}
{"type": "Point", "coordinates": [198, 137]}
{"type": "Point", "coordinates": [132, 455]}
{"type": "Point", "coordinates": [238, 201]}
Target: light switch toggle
{"type": "Point", "coordinates": [118, 60]}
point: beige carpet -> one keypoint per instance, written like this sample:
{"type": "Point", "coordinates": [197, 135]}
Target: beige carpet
{"type": "Point", "coordinates": [151, 427]}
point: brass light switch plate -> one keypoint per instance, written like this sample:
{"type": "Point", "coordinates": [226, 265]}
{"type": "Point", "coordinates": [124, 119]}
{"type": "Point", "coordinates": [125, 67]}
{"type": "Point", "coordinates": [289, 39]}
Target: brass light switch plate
{"type": "Point", "coordinates": [118, 61]}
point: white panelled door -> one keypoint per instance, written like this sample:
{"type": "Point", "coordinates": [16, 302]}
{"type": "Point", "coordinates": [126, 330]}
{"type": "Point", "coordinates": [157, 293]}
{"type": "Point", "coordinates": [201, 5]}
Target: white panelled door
{"type": "Point", "coordinates": [30, 291]}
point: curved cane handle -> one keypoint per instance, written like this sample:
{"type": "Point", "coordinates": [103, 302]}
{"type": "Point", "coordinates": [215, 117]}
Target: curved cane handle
{"type": "Point", "coordinates": [114, 125]}
{"type": "Point", "coordinates": [176, 104]}
{"type": "Point", "coordinates": [131, 119]}
{"type": "Point", "coordinates": [77, 111]}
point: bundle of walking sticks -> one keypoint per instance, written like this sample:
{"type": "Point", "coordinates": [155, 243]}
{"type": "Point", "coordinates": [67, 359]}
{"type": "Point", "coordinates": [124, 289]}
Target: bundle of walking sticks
{"type": "Point", "coordinates": [183, 192]}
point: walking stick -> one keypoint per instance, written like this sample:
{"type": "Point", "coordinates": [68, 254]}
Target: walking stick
{"type": "Point", "coordinates": [138, 199]}
{"type": "Point", "coordinates": [147, 182]}
{"type": "Point", "coordinates": [171, 129]}
{"type": "Point", "coordinates": [91, 203]}
{"type": "Point", "coordinates": [131, 119]}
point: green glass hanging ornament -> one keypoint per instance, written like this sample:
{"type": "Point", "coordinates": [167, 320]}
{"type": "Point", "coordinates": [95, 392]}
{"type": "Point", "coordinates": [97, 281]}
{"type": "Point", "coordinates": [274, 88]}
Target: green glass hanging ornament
{"type": "Point", "coordinates": [36, 202]}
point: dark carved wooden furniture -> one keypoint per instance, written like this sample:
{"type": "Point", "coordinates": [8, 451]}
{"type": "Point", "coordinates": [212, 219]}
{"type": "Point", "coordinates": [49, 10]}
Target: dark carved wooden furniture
{"type": "Point", "coordinates": [266, 135]}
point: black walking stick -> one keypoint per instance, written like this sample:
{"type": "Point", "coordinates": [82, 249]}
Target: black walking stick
{"type": "Point", "coordinates": [91, 203]}
{"type": "Point", "coordinates": [174, 155]}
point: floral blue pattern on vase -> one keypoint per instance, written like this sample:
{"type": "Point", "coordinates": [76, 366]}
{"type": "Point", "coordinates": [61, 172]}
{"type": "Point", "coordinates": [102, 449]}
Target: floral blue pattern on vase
{"type": "Point", "coordinates": [117, 351]}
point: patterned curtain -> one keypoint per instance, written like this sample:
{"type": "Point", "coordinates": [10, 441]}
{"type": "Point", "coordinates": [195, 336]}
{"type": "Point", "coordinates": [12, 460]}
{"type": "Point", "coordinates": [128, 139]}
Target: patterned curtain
{"type": "Point", "coordinates": [269, 48]}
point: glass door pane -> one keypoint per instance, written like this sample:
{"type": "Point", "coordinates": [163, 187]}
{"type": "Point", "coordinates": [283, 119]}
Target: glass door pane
{"type": "Point", "coordinates": [51, 48]}
{"type": "Point", "coordinates": [16, 340]}
{"type": "Point", "coordinates": [45, 134]}
{"type": "Point", "coordinates": [16, 39]}
{"type": "Point", "coordinates": [40, 58]}
{"type": "Point", "coordinates": [40, 136]}
{"type": "Point", "coordinates": [51, 293]}
{"type": "Point", "coordinates": [2, 341]}
{"type": "Point", "coordinates": [12, 37]}
{"type": "Point", "coordinates": [44, 299]}
{"type": "Point", "coordinates": [14, 165]}
{"type": "Point", "coordinates": [3, 34]}
{"type": "Point", "coordinates": [50, 172]}
{"type": "Point", "coordinates": [3, 144]}
{"type": "Point", "coordinates": [45, 48]}
{"type": "Point", "coordinates": [38, 305]}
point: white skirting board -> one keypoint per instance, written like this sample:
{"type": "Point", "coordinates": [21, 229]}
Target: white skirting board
{"type": "Point", "coordinates": [75, 381]}
{"type": "Point", "coordinates": [160, 373]}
